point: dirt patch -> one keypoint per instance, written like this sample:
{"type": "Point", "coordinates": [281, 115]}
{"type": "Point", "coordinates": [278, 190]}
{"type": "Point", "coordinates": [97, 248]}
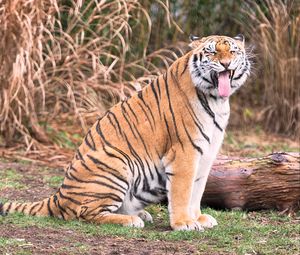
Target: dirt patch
{"type": "Point", "coordinates": [36, 240]}
{"type": "Point", "coordinates": [33, 179]}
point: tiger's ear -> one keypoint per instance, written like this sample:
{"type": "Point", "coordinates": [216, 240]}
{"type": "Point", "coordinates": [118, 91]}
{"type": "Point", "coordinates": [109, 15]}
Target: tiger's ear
{"type": "Point", "coordinates": [196, 41]}
{"type": "Point", "coordinates": [240, 38]}
{"type": "Point", "coordinates": [194, 38]}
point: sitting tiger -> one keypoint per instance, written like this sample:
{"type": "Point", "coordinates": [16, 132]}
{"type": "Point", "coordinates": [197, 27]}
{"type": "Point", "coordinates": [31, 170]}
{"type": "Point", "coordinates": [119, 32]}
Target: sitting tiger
{"type": "Point", "coordinates": [158, 144]}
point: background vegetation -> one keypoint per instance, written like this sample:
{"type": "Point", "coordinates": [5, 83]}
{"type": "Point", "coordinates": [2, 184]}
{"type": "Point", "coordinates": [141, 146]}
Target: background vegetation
{"type": "Point", "coordinates": [62, 61]}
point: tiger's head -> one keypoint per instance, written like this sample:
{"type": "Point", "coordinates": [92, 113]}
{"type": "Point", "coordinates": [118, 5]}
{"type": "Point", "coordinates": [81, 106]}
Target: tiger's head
{"type": "Point", "coordinates": [219, 64]}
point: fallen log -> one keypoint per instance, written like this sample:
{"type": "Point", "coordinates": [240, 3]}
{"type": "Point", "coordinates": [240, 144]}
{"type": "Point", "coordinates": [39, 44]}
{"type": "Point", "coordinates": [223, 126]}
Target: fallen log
{"type": "Point", "coordinates": [270, 182]}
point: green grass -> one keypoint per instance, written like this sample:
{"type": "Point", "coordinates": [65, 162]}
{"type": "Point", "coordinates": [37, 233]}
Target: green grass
{"type": "Point", "coordinates": [15, 244]}
{"type": "Point", "coordinates": [10, 241]}
{"type": "Point", "coordinates": [10, 178]}
{"type": "Point", "coordinates": [256, 147]}
{"type": "Point", "coordinates": [53, 181]}
{"type": "Point", "coordinates": [237, 232]}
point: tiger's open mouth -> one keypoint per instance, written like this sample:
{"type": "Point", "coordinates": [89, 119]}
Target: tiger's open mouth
{"type": "Point", "coordinates": [229, 72]}
{"type": "Point", "coordinates": [224, 80]}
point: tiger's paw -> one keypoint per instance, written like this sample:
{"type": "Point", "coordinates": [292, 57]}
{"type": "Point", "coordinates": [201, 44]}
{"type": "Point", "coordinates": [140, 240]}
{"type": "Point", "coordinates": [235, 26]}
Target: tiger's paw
{"type": "Point", "coordinates": [135, 222]}
{"type": "Point", "coordinates": [145, 216]}
{"type": "Point", "coordinates": [207, 221]}
{"type": "Point", "coordinates": [187, 225]}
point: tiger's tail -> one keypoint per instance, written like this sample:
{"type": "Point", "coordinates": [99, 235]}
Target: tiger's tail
{"type": "Point", "coordinates": [46, 207]}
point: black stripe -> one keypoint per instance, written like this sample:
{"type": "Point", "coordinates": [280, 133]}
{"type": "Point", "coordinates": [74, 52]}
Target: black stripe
{"type": "Point", "coordinates": [112, 196]}
{"type": "Point", "coordinates": [50, 212]}
{"type": "Point", "coordinates": [96, 182]}
{"type": "Point", "coordinates": [208, 81]}
{"type": "Point", "coordinates": [158, 87]}
{"type": "Point", "coordinates": [111, 154]}
{"type": "Point", "coordinates": [103, 208]}
{"type": "Point", "coordinates": [203, 100]}
{"type": "Point", "coordinates": [191, 111]}
{"type": "Point", "coordinates": [71, 210]}
{"type": "Point", "coordinates": [214, 78]}
{"type": "Point", "coordinates": [168, 129]}
{"type": "Point", "coordinates": [132, 111]}
{"type": "Point", "coordinates": [195, 58]}
{"type": "Point", "coordinates": [90, 144]}
{"type": "Point", "coordinates": [86, 167]}
{"type": "Point", "coordinates": [79, 155]}
{"type": "Point", "coordinates": [62, 210]}
{"type": "Point", "coordinates": [202, 132]}
{"type": "Point", "coordinates": [112, 181]}
{"type": "Point", "coordinates": [171, 109]}
{"type": "Point", "coordinates": [198, 179]}
{"type": "Point", "coordinates": [98, 162]}
{"type": "Point", "coordinates": [41, 206]}
{"type": "Point", "coordinates": [140, 95]}
{"type": "Point", "coordinates": [198, 123]}
{"type": "Point", "coordinates": [17, 207]}
{"type": "Point", "coordinates": [170, 174]}
{"type": "Point", "coordinates": [134, 153]}
{"type": "Point", "coordinates": [245, 68]}
{"type": "Point", "coordinates": [114, 126]}
{"type": "Point", "coordinates": [124, 112]}
{"type": "Point", "coordinates": [114, 156]}
{"type": "Point", "coordinates": [186, 64]}
{"type": "Point", "coordinates": [99, 131]}
{"type": "Point", "coordinates": [142, 140]}
{"type": "Point", "coordinates": [152, 127]}
{"type": "Point", "coordinates": [191, 140]}
{"type": "Point", "coordinates": [160, 178]}
{"type": "Point", "coordinates": [174, 78]}
{"type": "Point", "coordinates": [156, 98]}
{"type": "Point", "coordinates": [149, 168]}
{"type": "Point", "coordinates": [64, 186]}
{"type": "Point", "coordinates": [24, 207]}
{"type": "Point", "coordinates": [213, 97]}
{"type": "Point", "coordinates": [177, 66]}
{"type": "Point", "coordinates": [116, 120]}
{"type": "Point", "coordinates": [136, 156]}
{"type": "Point", "coordinates": [69, 198]}
{"type": "Point", "coordinates": [32, 208]}
{"type": "Point", "coordinates": [142, 199]}
{"type": "Point", "coordinates": [71, 167]}
{"type": "Point", "coordinates": [1, 209]}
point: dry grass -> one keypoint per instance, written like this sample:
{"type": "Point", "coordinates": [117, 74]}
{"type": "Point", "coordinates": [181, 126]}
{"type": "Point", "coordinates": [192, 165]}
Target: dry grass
{"type": "Point", "coordinates": [274, 26]}
{"type": "Point", "coordinates": [78, 57]}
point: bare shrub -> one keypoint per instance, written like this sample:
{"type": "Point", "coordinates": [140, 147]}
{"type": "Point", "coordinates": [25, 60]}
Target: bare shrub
{"type": "Point", "coordinates": [274, 27]}
{"type": "Point", "coordinates": [70, 56]}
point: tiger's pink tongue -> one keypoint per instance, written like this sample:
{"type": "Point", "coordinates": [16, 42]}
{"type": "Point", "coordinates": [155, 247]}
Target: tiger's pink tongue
{"type": "Point", "coordinates": [224, 84]}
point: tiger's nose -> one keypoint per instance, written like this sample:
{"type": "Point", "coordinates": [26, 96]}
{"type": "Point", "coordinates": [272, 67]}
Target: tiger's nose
{"type": "Point", "coordinates": [225, 63]}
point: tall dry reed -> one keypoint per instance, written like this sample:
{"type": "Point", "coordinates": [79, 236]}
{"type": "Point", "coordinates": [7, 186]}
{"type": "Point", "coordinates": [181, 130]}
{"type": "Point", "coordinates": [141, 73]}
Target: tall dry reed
{"type": "Point", "coordinates": [77, 57]}
{"type": "Point", "coordinates": [274, 27]}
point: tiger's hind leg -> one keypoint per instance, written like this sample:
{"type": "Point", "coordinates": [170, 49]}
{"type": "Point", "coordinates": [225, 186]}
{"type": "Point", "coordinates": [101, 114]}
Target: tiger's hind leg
{"type": "Point", "coordinates": [101, 186]}
{"type": "Point", "coordinates": [104, 212]}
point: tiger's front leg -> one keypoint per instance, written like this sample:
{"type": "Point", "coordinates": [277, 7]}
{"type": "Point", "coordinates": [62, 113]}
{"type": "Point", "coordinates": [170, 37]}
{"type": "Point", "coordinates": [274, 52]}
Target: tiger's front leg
{"type": "Point", "coordinates": [204, 167]}
{"type": "Point", "coordinates": [181, 168]}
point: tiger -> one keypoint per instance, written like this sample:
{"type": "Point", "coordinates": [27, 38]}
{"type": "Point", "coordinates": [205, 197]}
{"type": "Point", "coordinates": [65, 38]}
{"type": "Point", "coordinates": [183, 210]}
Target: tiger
{"type": "Point", "coordinates": [158, 145]}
